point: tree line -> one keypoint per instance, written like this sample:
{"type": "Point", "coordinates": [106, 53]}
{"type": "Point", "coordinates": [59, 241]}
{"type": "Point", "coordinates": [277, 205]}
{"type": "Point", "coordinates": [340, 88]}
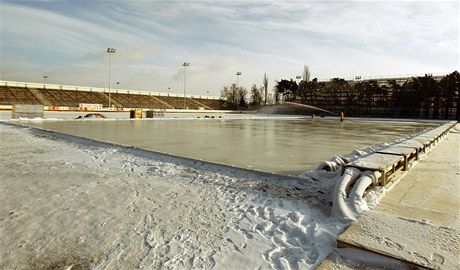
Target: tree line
{"type": "Point", "coordinates": [416, 97]}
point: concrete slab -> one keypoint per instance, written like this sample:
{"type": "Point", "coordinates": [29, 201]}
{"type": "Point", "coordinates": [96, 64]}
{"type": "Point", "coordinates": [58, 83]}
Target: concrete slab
{"type": "Point", "coordinates": [376, 162]}
{"type": "Point", "coordinates": [405, 151]}
{"type": "Point", "coordinates": [418, 220]}
{"type": "Point", "coordinates": [384, 163]}
{"type": "Point", "coordinates": [412, 143]}
{"type": "Point", "coordinates": [432, 186]}
{"type": "Point", "coordinates": [409, 240]}
{"type": "Point", "coordinates": [425, 140]}
{"type": "Point", "coordinates": [354, 259]}
{"type": "Point", "coordinates": [398, 150]}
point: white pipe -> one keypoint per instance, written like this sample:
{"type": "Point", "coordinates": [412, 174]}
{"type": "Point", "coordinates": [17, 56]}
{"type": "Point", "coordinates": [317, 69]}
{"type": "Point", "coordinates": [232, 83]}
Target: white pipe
{"type": "Point", "coordinates": [340, 207]}
{"type": "Point", "coordinates": [367, 178]}
{"type": "Point", "coordinates": [330, 169]}
{"type": "Point", "coordinates": [350, 207]}
{"type": "Point", "coordinates": [342, 161]}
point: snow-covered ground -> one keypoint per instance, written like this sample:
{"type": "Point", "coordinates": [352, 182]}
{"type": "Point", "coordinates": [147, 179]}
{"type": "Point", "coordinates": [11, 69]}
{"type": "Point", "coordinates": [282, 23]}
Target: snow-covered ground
{"type": "Point", "coordinates": [66, 204]}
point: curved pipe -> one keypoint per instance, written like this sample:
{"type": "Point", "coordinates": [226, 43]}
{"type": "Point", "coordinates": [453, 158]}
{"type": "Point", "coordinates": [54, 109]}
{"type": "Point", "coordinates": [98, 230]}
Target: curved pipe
{"type": "Point", "coordinates": [333, 165]}
{"type": "Point", "coordinates": [329, 169]}
{"type": "Point", "coordinates": [349, 207]}
{"type": "Point", "coordinates": [367, 178]}
{"type": "Point", "coordinates": [340, 207]}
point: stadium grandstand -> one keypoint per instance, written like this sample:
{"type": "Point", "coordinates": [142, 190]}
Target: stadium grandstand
{"type": "Point", "coordinates": [57, 97]}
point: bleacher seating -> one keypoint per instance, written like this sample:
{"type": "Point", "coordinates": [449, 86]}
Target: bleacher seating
{"type": "Point", "coordinates": [72, 98]}
{"type": "Point", "coordinates": [175, 102]}
{"type": "Point", "coordinates": [6, 97]}
{"type": "Point", "coordinates": [91, 97]}
{"type": "Point", "coordinates": [95, 97]}
{"type": "Point", "coordinates": [63, 98]}
{"type": "Point", "coordinates": [157, 103]}
{"type": "Point", "coordinates": [21, 96]}
{"type": "Point", "coordinates": [213, 104]}
{"type": "Point", "coordinates": [44, 97]}
{"type": "Point", "coordinates": [139, 101]}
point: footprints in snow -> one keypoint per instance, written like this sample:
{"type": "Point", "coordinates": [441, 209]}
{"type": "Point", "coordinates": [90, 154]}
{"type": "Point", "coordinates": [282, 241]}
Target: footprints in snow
{"type": "Point", "coordinates": [176, 251]}
{"type": "Point", "coordinates": [291, 234]}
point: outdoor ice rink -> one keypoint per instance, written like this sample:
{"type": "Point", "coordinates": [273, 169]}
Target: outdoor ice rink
{"type": "Point", "coordinates": [82, 205]}
{"type": "Point", "coordinates": [282, 145]}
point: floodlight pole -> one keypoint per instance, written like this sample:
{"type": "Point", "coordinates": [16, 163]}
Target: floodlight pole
{"type": "Point", "coordinates": [185, 65]}
{"type": "Point", "coordinates": [110, 51]}
{"type": "Point", "coordinates": [44, 80]}
{"type": "Point", "coordinates": [238, 74]}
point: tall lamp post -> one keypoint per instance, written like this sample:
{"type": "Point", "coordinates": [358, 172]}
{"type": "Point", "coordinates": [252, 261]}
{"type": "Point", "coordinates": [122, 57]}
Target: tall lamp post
{"type": "Point", "coordinates": [238, 74]}
{"type": "Point", "coordinates": [185, 65]}
{"type": "Point", "coordinates": [110, 51]}
{"type": "Point", "coordinates": [44, 80]}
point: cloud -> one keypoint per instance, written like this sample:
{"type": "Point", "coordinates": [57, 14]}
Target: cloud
{"type": "Point", "coordinates": [68, 39]}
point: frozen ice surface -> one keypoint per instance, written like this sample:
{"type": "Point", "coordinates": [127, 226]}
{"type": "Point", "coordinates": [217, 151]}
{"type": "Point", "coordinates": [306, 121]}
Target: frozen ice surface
{"type": "Point", "coordinates": [283, 145]}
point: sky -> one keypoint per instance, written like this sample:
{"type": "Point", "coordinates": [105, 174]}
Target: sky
{"type": "Point", "coordinates": [67, 41]}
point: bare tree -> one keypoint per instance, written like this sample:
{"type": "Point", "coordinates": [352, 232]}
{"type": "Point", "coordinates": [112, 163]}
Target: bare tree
{"type": "Point", "coordinates": [235, 95]}
{"type": "Point", "coordinates": [306, 73]}
{"type": "Point", "coordinates": [265, 82]}
{"type": "Point", "coordinates": [256, 95]}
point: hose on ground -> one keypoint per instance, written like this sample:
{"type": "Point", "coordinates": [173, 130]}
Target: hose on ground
{"type": "Point", "coordinates": [348, 206]}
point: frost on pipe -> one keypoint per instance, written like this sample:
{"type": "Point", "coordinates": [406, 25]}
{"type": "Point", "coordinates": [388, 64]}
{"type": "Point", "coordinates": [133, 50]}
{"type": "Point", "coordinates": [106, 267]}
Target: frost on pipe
{"type": "Point", "coordinates": [350, 205]}
{"type": "Point", "coordinates": [328, 169]}
{"type": "Point", "coordinates": [347, 201]}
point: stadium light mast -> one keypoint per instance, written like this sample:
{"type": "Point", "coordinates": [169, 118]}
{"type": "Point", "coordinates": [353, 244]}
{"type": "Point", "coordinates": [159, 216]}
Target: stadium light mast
{"type": "Point", "coordinates": [238, 74]}
{"type": "Point", "coordinates": [185, 65]}
{"type": "Point", "coordinates": [110, 51]}
{"type": "Point", "coordinates": [44, 80]}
